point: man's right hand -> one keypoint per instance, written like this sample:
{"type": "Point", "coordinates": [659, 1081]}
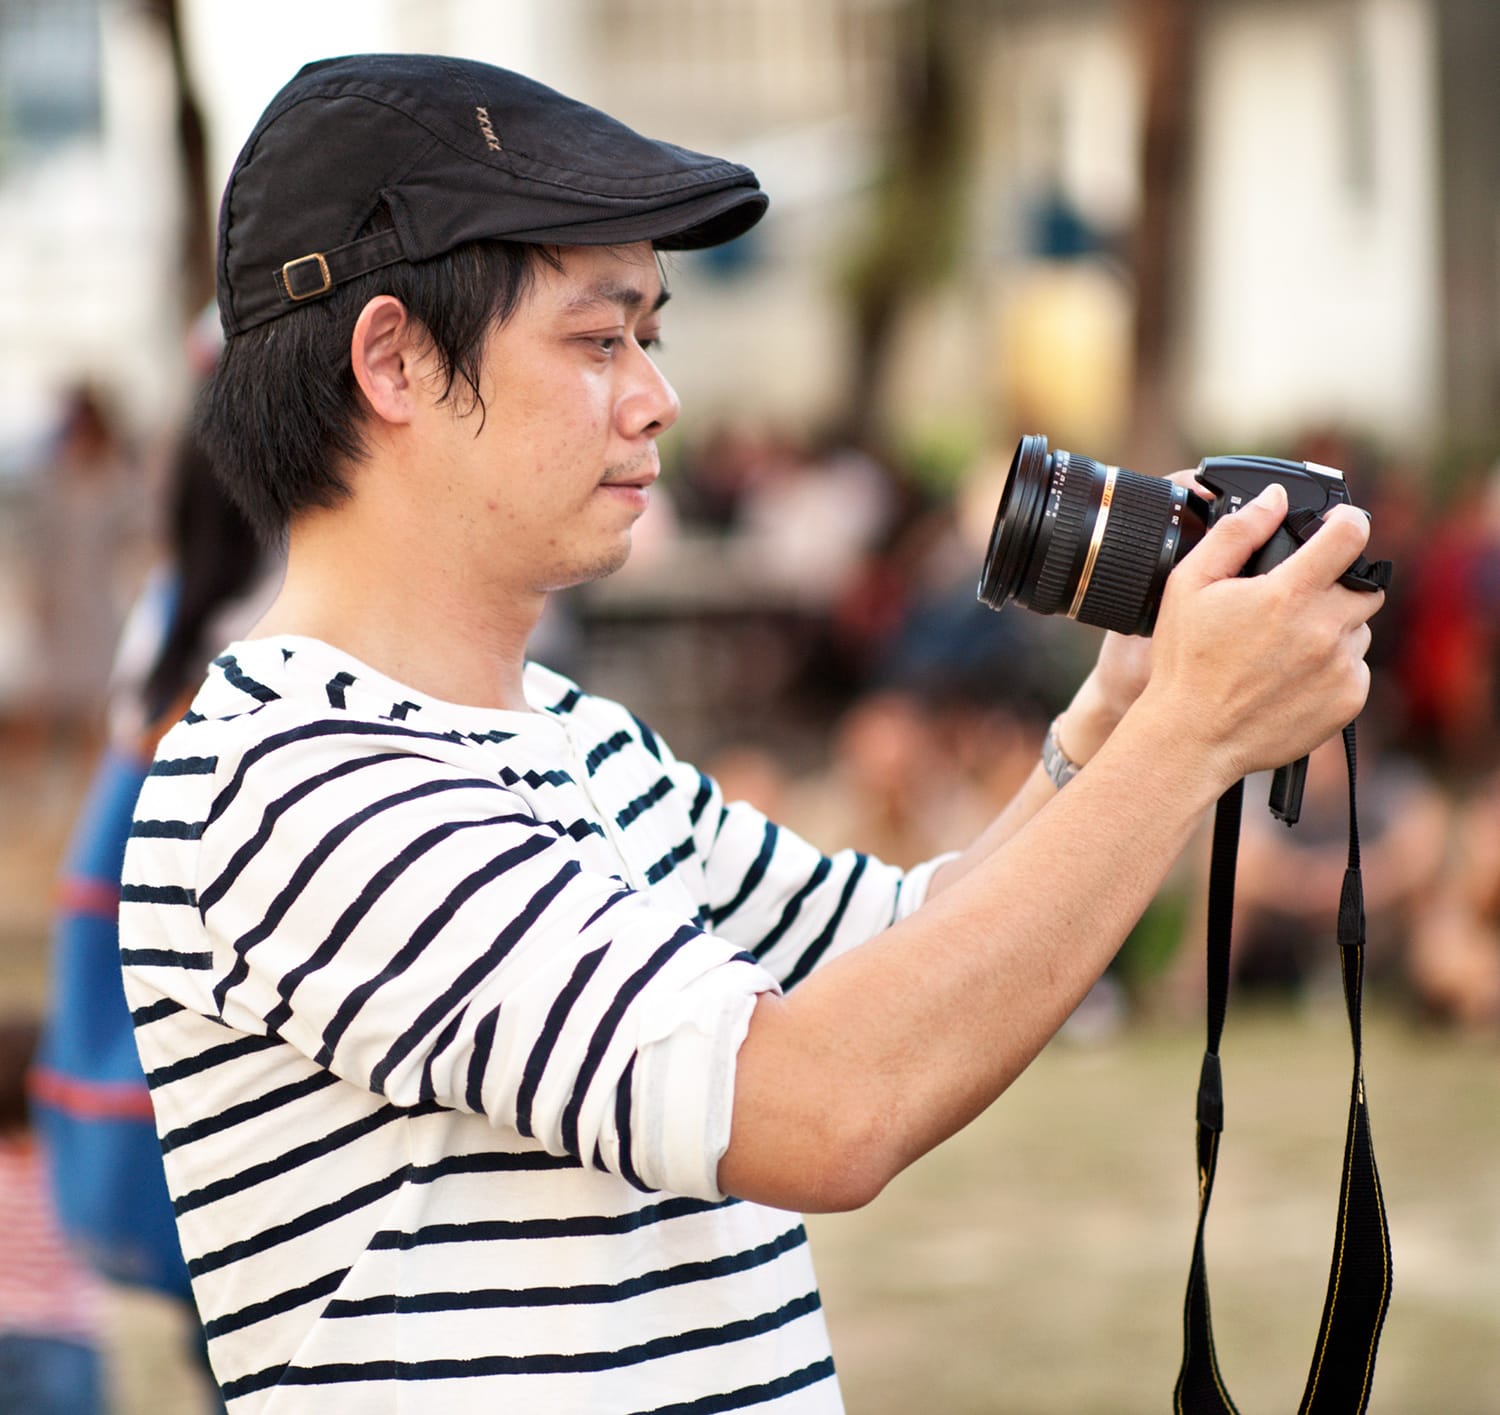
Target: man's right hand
{"type": "Point", "coordinates": [1258, 671]}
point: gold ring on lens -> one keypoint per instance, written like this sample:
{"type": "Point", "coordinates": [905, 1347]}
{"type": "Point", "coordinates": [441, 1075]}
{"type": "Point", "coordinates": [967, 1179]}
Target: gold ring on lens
{"type": "Point", "coordinates": [1100, 521]}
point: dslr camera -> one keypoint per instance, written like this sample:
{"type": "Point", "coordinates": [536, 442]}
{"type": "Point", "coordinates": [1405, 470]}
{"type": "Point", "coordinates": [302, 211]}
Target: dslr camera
{"type": "Point", "coordinates": [1073, 536]}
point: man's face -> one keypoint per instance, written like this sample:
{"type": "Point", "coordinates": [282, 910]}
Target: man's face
{"type": "Point", "coordinates": [545, 493]}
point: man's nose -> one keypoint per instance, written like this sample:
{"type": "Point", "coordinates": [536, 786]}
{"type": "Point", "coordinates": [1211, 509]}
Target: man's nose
{"type": "Point", "coordinates": [650, 406]}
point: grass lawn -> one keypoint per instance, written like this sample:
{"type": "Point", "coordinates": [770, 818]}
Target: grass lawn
{"type": "Point", "coordinates": [1037, 1263]}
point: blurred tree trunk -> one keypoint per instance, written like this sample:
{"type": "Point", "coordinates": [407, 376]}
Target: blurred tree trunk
{"type": "Point", "coordinates": [1168, 33]}
{"type": "Point", "coordinates": [1468, 38]}
{"type": "Point", "coordinates": [918, 207]}
{"type": "Point", "coordinates": [196, 236]}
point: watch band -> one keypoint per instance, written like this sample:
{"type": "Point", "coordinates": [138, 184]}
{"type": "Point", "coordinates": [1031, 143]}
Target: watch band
{"type": "Point", "coordinates": [1055, 762]}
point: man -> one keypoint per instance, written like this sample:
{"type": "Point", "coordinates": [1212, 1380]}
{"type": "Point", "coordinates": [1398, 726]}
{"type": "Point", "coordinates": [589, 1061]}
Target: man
{"type": "Point", "coordinates": [489, 1045]}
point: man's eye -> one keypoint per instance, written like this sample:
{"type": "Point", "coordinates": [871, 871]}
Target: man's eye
{"type": "Point", "coordinates": [610, 343]}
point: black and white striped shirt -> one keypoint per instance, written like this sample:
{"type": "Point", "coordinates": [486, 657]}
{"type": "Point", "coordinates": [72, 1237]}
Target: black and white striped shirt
{"type": "Point", "coordinates": [439, 1007]}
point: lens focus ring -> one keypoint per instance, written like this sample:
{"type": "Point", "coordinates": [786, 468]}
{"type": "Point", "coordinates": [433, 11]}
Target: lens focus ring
{"type": "Point", "coordinates": [1120, 592]}
{"type": "Point", "coordinates": [1069, 495]}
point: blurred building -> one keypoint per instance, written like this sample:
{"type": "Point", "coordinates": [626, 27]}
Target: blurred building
{"type": "Point", "coordinates": [89, 207]}
{"type": "Point", "coordinates": [1339, 259]}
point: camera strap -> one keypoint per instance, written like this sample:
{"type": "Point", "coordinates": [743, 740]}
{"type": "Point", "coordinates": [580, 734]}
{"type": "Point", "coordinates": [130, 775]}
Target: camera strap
{"type": "Point", "coordinates": [1363, 574]}
{"type": "Point", "coordinates": [1359, 1282]}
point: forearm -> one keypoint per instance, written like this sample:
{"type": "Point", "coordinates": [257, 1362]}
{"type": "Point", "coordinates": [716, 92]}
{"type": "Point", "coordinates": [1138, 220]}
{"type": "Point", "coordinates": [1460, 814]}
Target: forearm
{"type": "Point", "coordinates": [897, 1044]}
{"type": "Point", "coordinates": [1083, 728]}
{"type": "Point", "coordinates": [890, 1049]}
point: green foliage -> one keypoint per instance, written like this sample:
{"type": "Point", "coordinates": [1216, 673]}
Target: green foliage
{"type": "Point", "coordinates": [1153, 943]}
{"type": "Point", "coordinates": [938, 455]}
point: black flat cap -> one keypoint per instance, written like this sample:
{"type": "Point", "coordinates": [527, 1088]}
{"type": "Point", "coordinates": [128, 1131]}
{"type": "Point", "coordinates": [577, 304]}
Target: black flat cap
{"type": "Point", "coordinates": [455, 151]}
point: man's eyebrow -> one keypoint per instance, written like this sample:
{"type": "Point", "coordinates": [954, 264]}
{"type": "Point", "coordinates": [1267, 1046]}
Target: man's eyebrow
{"type": "Point", "coordinates": [630, 298]}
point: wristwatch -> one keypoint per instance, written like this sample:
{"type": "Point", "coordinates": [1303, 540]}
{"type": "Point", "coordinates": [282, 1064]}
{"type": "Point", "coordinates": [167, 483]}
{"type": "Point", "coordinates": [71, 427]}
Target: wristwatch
{"type": "Point", "coordinates": [1055, 762]}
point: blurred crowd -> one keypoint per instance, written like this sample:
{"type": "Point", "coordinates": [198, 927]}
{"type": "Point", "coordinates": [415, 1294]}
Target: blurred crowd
{"type": "Point", "coordinates": [134, 567]}
{"type": "Point", "coordinates": [927, 708]}
{"type": "Point", "coordinates": [847, 679]}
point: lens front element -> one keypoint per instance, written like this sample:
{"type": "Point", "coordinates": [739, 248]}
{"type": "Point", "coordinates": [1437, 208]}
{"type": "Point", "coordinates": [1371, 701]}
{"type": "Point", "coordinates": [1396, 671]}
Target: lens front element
{"type": "Point", "coordinates": [1018, 523]}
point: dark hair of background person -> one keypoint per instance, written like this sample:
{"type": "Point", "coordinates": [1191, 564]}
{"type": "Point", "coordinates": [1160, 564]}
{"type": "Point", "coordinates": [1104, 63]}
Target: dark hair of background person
{"type": "Point", "coordinates": [282, 411]}
{"type": "Point", "coordinates": [18, 1043]}
{"type": "Point", "coordinates": [215, 558]}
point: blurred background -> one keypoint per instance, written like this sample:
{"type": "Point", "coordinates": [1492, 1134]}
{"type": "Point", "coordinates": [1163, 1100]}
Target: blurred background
{"type": "Point", "coordinates": [1151, 230]}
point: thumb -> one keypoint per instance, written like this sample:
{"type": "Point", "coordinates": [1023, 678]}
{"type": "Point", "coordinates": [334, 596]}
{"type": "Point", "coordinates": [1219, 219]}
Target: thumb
{"type": "Point", "coordinates": [1232, 540]}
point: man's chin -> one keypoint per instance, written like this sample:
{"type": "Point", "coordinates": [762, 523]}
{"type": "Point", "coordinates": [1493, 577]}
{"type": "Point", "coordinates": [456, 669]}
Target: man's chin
{"type": "Point", "coordinates": [604, 565]}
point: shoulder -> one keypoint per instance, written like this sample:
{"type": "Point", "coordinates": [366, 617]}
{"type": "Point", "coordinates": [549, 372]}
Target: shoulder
{"type": "Point", "coordinates": [265, 733]}
{"type": "Point", "coordinates": [596, 722]}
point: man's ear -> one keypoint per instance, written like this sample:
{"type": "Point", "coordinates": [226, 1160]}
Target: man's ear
{"type": "Point", "coordinates": [383, 353]}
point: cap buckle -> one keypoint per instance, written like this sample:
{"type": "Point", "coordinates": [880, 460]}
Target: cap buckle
{"type": "Point", "coordinates": [292, 292]}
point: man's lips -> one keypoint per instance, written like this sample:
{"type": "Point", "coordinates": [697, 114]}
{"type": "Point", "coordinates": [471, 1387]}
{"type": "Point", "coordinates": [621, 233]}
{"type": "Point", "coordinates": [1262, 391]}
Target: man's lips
{"type": "Point", "coordinates": [637, 480]}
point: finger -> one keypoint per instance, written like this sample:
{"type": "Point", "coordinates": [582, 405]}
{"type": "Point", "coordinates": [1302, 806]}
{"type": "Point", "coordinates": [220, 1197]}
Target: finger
{"type": "Point", "coordinates": [1188, 477]}
{"type": "Point", "coordinates": [1367, 605]}
{"type": "Point", "coordinates": [1329, 551]}
{"type": "Point", "coordinates": [1232, 540]}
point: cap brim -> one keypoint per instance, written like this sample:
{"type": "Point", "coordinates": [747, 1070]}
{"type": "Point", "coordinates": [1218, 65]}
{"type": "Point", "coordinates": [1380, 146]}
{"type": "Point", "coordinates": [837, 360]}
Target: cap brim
{"type": "Point", "coordinates": [704, 219]}
{"type": "Point", "coordinates": [728, 215]}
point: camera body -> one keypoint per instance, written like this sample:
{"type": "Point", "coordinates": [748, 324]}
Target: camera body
{"type": "Point", "coordinates": [1236, 480]}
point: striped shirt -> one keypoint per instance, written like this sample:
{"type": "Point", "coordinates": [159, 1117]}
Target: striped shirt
{"type": "Point", "coordinates": [439, 1008]}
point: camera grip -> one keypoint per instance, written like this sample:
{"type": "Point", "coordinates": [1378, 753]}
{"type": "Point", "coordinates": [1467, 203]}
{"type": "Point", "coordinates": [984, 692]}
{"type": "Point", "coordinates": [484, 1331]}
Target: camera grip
{"type": "Point", "coordinates": [1286, 791]}
{"type": "Point", "coordinates": [1287, 781]}
{"type": "Point", "coordinates": [1282, 546]}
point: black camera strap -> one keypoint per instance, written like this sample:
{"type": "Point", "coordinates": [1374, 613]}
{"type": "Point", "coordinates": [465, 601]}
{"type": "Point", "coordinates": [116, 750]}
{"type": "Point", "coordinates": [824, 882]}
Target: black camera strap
{"type": "Point", "coordinates": [1359, 1282]}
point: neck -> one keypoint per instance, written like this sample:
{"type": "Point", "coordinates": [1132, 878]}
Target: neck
{"type": "Point", "coordinates": [388, 598]}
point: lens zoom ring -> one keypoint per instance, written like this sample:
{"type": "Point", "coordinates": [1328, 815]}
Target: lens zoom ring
{"type": "Point", "coordinates": [1139, 517]}
{"type": "Point", "coordinates": [1057, 580]}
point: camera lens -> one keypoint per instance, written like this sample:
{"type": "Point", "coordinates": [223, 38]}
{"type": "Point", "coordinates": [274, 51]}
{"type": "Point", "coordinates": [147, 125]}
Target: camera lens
{"type": "Point", "coordinates": [1094, 542]}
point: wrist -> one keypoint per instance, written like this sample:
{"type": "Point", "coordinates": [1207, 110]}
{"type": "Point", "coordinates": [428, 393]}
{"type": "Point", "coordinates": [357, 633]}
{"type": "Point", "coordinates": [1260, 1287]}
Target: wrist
{"type": "Point", "coordinates": [1059, 766]}
{"type": "Point", "coordinates": [1085, 724]}
{"type": "Point", "coordinates": [1180, 736]}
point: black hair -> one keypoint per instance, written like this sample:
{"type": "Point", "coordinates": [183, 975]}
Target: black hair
{"type": "Point", "coordinates": [215, 560]}
{"type": "Point", "coordinates": [281, 416]}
